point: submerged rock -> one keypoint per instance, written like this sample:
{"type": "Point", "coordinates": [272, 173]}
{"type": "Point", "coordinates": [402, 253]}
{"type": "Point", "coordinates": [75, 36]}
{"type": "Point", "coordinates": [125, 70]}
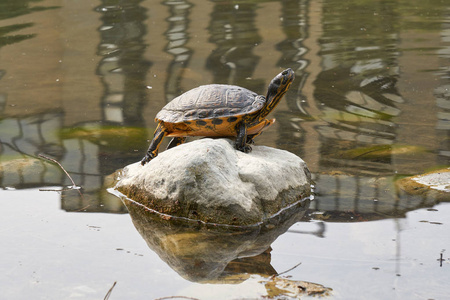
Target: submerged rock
{"type": "Point", "coordinates": [434, 184]}
{"type": "Point", "coordinates": [278, 288]}
{"type": "Point", "coordinates": [208, 180]}
{"type": "Point", "coordinates": [25, 172]}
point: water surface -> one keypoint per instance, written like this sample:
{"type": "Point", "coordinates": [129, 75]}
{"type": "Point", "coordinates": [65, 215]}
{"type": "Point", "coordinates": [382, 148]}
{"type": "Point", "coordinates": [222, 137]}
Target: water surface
{"type": "Point", "coordinates": [81, 82]}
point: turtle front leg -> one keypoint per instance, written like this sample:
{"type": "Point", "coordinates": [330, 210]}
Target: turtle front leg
{"type": "Point", "coordinates": [256, 130]}
{"type": "Point", "coordinates": [250, 138]}
{"type": "Point", "coordinates": [241, 139]}
{"type": "Point", "coordinates": [152, 151]}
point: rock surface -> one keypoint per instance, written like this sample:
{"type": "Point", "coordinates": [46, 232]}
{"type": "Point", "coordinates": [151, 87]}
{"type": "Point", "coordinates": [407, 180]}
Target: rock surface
{"type": "Point", "coordinates": [210, 181]}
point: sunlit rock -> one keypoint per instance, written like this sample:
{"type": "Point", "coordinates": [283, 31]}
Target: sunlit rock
{"type": "Point", "coordinates": [210, 181]}
{"type": "Point", "coordinates": [434, 184]}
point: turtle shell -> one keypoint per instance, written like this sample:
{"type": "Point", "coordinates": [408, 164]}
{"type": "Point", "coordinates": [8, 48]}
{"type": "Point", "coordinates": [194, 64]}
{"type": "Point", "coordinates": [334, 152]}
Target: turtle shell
{"type": "Point", "coordinates": [211, 102]}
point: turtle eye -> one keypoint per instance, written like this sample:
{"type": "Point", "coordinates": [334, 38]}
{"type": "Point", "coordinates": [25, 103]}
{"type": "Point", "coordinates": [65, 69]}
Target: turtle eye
{"type": "Point", "coordinates": [285, 72]}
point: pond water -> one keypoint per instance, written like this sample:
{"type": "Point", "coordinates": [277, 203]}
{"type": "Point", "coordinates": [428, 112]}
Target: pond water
{"type": "Point", "coordinates": [81, 82]}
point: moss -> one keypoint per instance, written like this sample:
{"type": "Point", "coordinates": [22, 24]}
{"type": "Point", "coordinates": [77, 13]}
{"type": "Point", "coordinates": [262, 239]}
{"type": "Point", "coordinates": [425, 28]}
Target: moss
{"type": "Point", "coordinates": [380, 152]}
{"type": "Point", "coordinates": [111, 136]}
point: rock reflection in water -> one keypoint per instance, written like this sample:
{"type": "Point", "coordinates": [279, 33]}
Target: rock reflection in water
{"type": "Point", "coordinates": [206, 252]}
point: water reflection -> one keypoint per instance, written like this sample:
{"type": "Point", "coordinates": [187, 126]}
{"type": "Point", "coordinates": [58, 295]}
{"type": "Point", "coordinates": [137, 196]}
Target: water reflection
{"type": "Point", "coordinates": [294, 16]}
{"type": "Point", "coordinates": [122, 71]}
{"type": "Point", "coordinates": [442, 94]}
{"type": "Point", "coordinates": [357, 104]}
{"type": "Point", "coordinates": [233, 31]}
{"type": "Point", "coordinates": [15, 8]}
{"type": "Point", "coordinates": [349, 99]}
{"type": "Point", "coordinates": [356, 87]}
{"type": "Point", "coordinates": [122, 68]}
{"type": "Point", "coordinates": [211, 252]}
{"type": "Point", "coordinates": [25, 135]}
{"type": "Point", "coordinates": [177, 37]}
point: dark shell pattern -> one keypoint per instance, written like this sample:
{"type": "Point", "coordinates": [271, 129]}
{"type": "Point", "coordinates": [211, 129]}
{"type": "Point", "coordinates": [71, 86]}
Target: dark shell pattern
{"type": "Point", "coordinates": [211, 101]}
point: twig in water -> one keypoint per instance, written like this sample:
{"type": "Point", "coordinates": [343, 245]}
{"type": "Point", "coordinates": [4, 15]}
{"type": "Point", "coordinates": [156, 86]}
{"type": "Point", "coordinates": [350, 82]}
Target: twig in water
{"type": "Point", "coordinates": [74, 186]}
{"type": "Point", "coordinates": [56, 162]}
{"type": "Point", "coordinates": [290, 269]}
{"type": "Point", "coordinates": [53, 190]}
{"type": "Point", "coordinates": [110, 290]}
{"type": "Point", "coordinates": [177, 297]}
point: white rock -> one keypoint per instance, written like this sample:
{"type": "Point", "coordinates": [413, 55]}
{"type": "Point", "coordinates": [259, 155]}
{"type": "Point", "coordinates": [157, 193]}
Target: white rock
{"type": "Point", "coordinates": [210, 181]}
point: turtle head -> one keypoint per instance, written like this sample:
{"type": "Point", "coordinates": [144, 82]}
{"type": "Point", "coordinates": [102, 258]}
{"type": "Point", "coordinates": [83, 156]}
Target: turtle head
{"type": "Point", "coordinates": [280, 84]}
{"type": "Point", "coordinates": [277, 88]}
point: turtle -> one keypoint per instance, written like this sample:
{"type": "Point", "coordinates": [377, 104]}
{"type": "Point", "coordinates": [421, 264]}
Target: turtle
{"type": "Point", "coordinates": [218, 110]}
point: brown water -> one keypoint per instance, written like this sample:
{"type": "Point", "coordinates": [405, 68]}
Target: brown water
{"type": "Point", "coordinates": [81, 82]}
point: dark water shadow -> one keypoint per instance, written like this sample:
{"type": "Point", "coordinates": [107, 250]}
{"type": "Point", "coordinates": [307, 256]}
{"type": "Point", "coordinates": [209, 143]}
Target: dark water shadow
{"type": "Point", "coordinates": [13, 9]}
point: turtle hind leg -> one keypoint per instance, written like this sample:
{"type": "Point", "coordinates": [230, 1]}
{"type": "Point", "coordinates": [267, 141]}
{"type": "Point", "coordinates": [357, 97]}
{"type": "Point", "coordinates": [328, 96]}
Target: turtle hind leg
{"type": "Point", "coordinates": [176, 141]}
{"type": "Point", "coordinates": [152, 151]}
